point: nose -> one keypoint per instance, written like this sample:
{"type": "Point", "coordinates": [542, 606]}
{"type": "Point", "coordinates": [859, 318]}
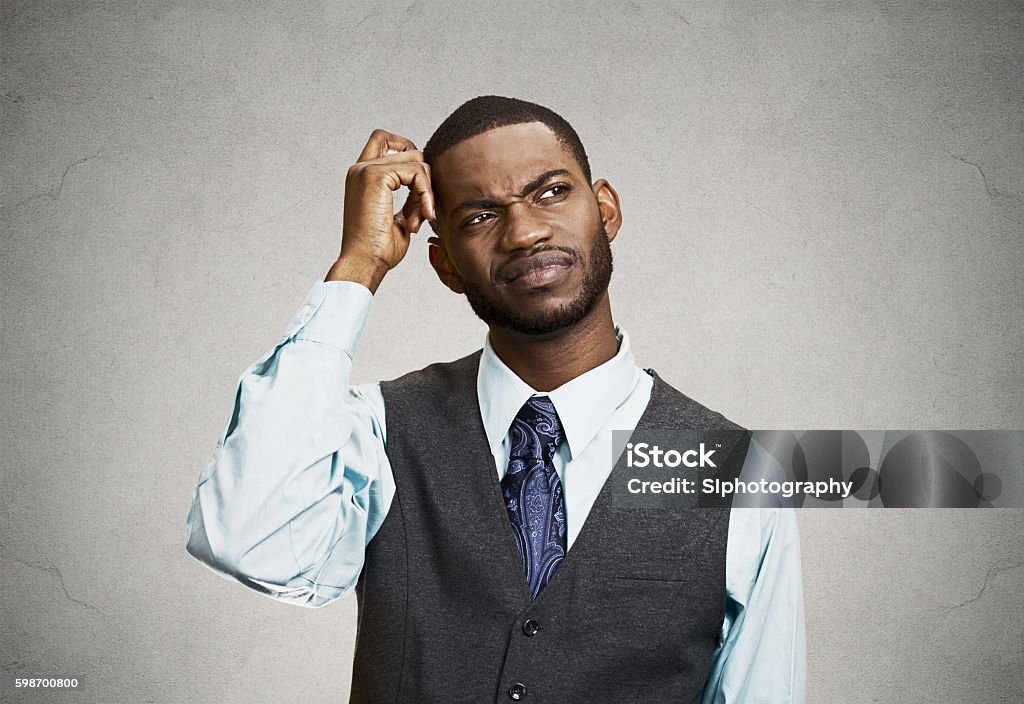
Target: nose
{"type": "Point", "coordinates": [525, 227]}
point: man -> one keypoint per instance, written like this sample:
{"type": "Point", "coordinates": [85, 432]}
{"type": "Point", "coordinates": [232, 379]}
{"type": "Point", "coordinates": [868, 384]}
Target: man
{"type": "Point", "coordinates": [474, 585]}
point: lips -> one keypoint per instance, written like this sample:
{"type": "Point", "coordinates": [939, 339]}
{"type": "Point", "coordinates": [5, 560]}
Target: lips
{"type": "Point", "coordinates": [534, 266]}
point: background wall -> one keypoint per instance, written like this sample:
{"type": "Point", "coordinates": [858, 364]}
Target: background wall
{"type": "Point", "coordinates": [823, 229]}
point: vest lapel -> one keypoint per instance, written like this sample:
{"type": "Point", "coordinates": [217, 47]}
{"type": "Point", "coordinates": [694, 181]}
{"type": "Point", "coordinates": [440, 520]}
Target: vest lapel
{"type": "Point", "coordinates": [469, 428]}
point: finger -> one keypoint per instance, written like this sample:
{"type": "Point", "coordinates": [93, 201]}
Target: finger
{"type": "Point", "coordinates": [415, 175]}
{"type": "Point", "coordinates": [414, 210]}
{"type": "Point", "coordinates": [424, 195]}
{"type": "Point", "coordinates": [412, 213]}
{"type": "Point", "coordinates": [427, 201]}
{"type": "Point", "coordinates": [400, 222]}
{"type": "Point", "coordinates": [414, 223]}
{"type": "Point", "coordinates": [399, 157]}
{"type": "Point", "coordinates": [403, 226]}
{"type": "Point", "coordinates": [381, 142]}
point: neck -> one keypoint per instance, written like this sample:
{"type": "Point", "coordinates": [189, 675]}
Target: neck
{"type": "Point", "coordinates": [545, 362]}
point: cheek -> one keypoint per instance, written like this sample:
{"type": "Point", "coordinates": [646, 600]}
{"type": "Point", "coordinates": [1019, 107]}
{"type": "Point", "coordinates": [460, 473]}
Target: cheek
{"type": "Point", "coordinates": [471, 264]}
{"type": "Point", "coordinates": [581, 221]}
{"type": "Point", "coordinates": [570, 233]}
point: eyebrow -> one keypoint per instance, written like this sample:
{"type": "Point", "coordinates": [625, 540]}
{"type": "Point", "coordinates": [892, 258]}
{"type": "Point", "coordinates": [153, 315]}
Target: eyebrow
{"type": "Point", "coordinates": [527, 190]}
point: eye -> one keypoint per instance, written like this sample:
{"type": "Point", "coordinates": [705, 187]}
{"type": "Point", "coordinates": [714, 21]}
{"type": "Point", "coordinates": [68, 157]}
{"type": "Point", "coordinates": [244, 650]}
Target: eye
{"type": "Point", "coordinates": [556, 191]}
{"type": "Point", "coordinates": [478, 218]}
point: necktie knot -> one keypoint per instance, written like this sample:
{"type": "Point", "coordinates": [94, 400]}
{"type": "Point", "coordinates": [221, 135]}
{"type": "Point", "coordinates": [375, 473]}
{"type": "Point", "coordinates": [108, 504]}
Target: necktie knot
{"type": "Point", "coordinates": [536, 430]}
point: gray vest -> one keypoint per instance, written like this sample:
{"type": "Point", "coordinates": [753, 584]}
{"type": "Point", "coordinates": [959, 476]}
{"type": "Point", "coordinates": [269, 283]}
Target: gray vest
{"type": "Point", "coordinates": [633, 613]}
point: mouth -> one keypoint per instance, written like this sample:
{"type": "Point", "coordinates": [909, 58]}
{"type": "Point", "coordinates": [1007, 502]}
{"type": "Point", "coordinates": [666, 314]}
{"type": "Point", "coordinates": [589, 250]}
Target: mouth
{"type": "Point", "coordinates": [538, 270]}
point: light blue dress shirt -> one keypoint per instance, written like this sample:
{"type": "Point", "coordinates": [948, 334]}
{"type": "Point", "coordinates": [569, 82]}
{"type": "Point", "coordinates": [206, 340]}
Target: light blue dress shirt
{"type": "Point", "coordinates": [299, 483]}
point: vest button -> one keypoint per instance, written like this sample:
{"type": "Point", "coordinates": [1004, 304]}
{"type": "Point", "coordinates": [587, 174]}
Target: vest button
{"type": "Point", "coordinates": [530, 627]}
{"type": "Point", "coordinates": [517, 691]}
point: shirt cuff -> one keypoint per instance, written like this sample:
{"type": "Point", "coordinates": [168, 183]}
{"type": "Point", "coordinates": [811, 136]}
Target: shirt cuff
{"type": "Point", "coordinates": [334, 314]}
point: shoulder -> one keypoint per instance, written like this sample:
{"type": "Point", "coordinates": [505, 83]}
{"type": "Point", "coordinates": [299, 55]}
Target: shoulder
{"type": "Point", "coordinates": [686, 411]}
{"type": "Point", "coordinates": [435, 378]}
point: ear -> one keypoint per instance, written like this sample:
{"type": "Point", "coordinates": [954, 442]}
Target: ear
{"type": "Point", "coordinates": [443, 266]}
{"type": "Point", "coordinates": [608, 205]}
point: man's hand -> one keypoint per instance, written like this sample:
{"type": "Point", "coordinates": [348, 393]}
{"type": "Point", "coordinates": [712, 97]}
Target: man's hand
{"type": "Point", "coordinates": [375, 238]}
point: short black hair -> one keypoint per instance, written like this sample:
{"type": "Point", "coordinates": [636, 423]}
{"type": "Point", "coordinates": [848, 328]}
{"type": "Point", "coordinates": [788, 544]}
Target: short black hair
{"type": "Point", "coordinates": [486, 112]}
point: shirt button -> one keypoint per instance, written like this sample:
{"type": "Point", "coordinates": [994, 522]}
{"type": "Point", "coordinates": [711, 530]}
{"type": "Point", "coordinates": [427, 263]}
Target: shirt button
{"type": "Point", "coordinates": [517, 691]}
{"type": "Point", "coordinates": [531, 627]}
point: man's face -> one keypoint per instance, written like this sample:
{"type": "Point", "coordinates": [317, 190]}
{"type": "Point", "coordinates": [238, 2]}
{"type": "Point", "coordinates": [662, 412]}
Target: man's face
{"type": "Point", "coordinates": [523, 234]}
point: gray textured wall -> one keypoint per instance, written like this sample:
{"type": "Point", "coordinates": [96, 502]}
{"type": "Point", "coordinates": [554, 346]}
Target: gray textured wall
{"type": "Point", "coordinates": [823, 208]}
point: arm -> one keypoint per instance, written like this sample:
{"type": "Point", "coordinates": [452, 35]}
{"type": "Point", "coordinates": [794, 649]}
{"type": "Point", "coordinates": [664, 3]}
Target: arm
{"type": "Point", "coordinates": [299, 481]}
{"type": "Point", "coordinates": [761, 658]}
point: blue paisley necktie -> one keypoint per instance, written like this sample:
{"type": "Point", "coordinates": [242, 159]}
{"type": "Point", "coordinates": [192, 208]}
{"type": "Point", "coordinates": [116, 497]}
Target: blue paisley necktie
{"type": "Point", "coordinates": [533, 491]}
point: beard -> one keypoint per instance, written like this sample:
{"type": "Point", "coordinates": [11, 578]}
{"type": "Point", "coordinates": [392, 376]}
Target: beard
{"type": "Point", "coordinates": [596, 278]}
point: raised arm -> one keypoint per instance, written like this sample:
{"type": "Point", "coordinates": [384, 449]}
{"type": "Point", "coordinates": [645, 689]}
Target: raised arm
{"type": "Point", "coordinates": [299, 481]}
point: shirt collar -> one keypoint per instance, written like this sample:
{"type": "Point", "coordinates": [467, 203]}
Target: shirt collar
{"type": "Point", "coordinates": [584, 404]}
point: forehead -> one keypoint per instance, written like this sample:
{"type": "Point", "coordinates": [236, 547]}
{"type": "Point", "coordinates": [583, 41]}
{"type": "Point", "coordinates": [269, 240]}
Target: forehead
{"type": "Point", "coordinates": [499, 162]}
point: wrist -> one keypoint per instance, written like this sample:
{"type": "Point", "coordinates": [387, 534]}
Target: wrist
{"type": "Point", "coordinates": [368, 272]}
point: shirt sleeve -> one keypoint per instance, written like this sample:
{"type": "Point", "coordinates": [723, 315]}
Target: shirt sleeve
{"type": "Point", "coordinates": [761, 657]}
{"type": "Point", "coordinates": [299, 481]}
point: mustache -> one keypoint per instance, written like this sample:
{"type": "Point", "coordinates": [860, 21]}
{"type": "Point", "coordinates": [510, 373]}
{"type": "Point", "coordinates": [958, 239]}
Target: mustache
{"type": "Point", "coordinates": [537, 258]}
